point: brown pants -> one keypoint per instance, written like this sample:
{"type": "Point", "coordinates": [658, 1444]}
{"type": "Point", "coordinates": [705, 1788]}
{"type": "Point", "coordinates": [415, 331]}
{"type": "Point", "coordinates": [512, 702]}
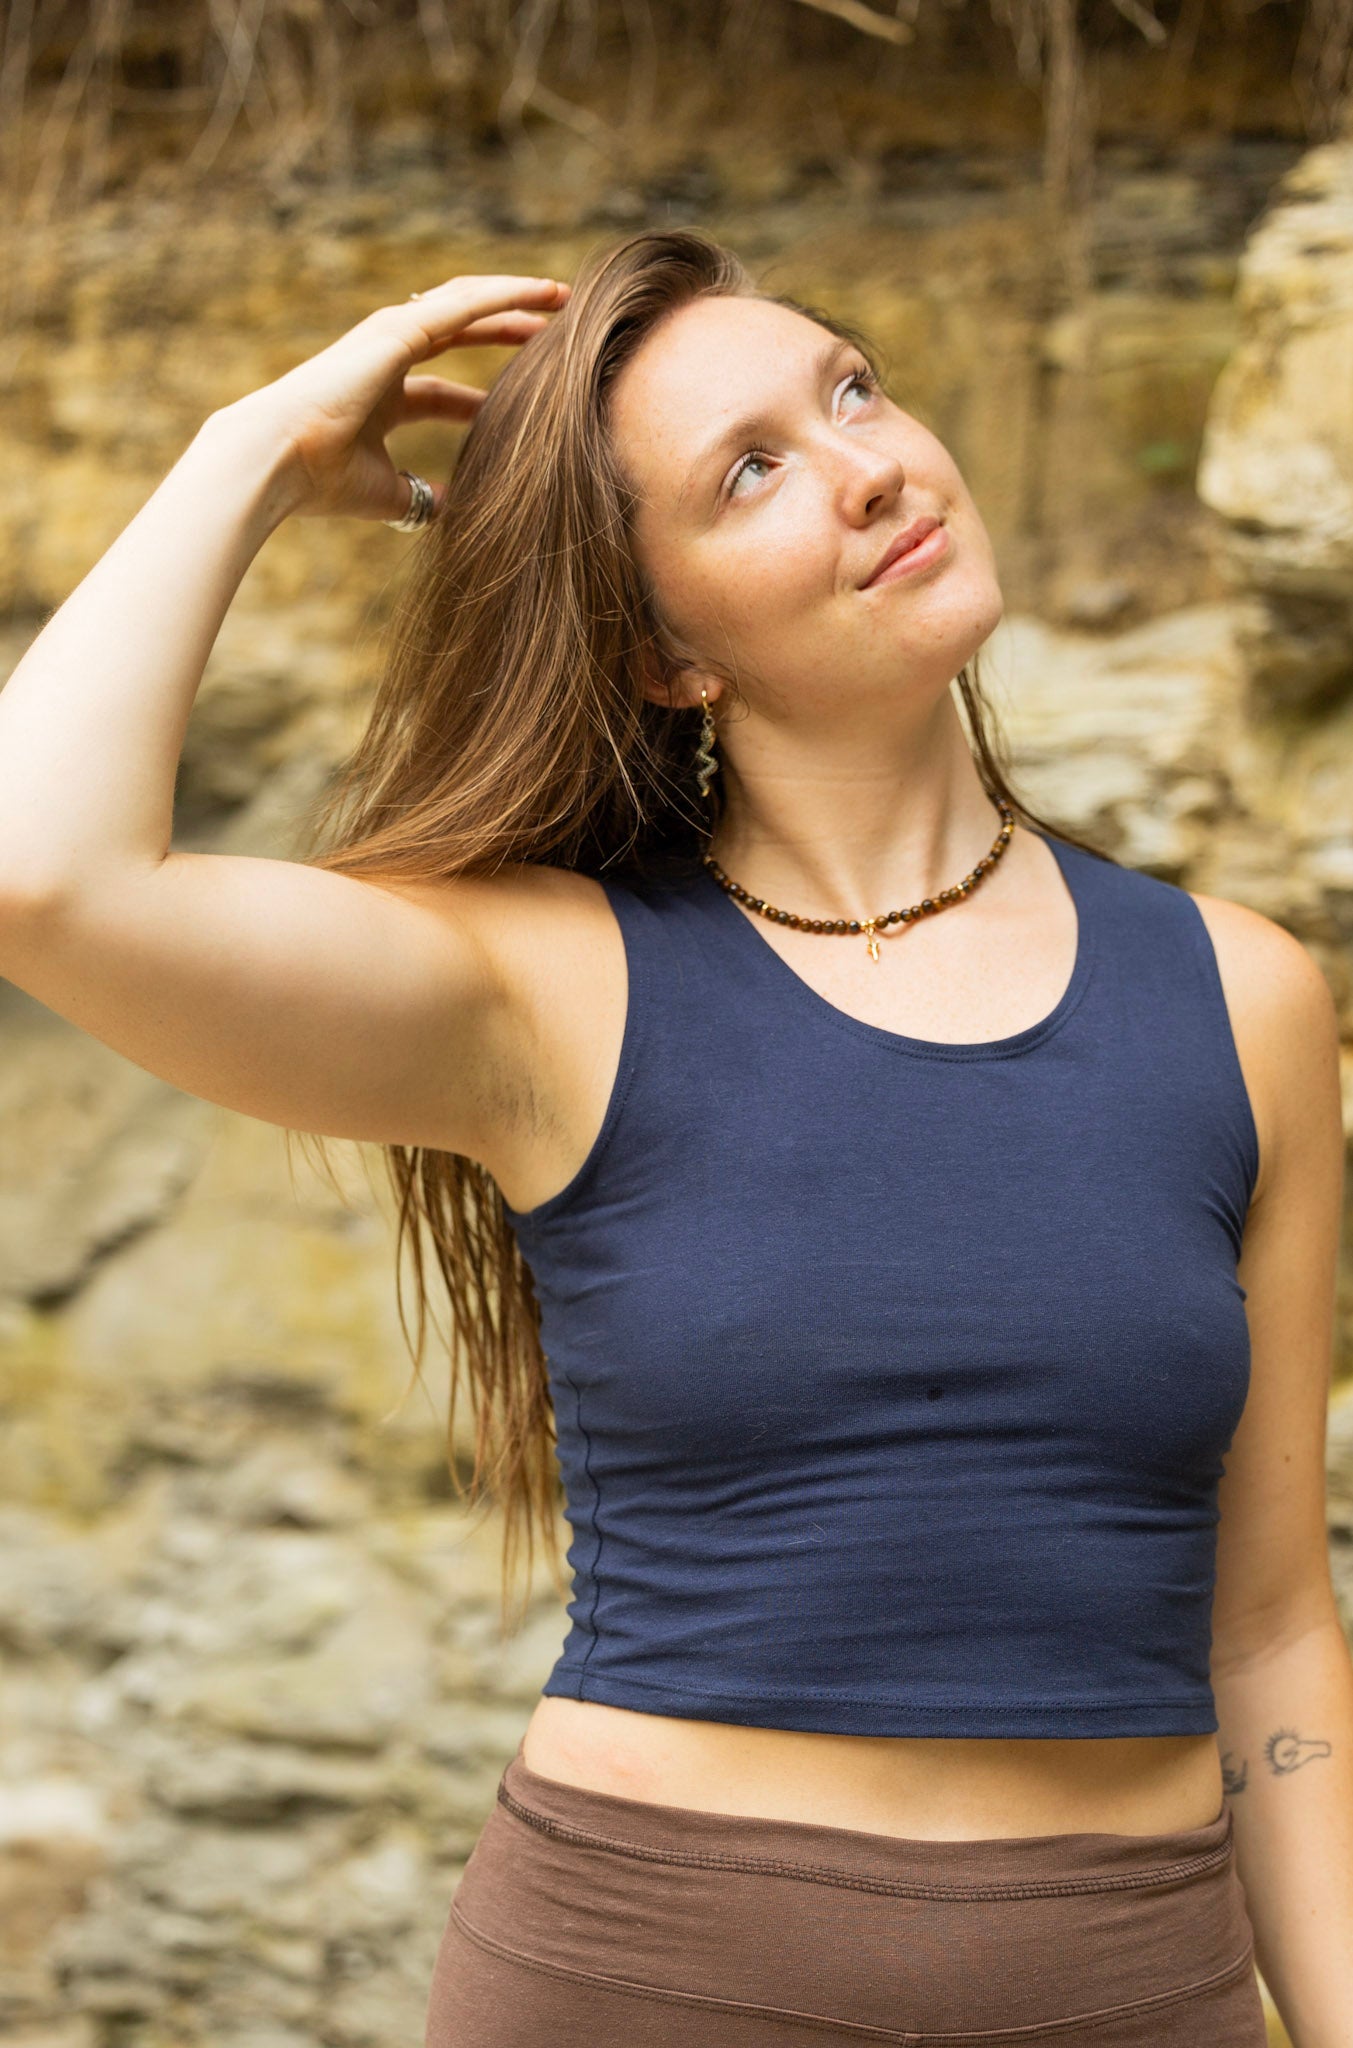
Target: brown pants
{"type": "Point", "coordinates": [584, 1920]}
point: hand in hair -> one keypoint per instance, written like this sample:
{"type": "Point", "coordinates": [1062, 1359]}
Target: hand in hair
{"type": "Point", "coordinates": [333, 411]}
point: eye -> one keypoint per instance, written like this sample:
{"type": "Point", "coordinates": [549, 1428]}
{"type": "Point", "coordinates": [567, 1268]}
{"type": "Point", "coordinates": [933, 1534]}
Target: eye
{"type": "Point", "coordinates": [866, 378]}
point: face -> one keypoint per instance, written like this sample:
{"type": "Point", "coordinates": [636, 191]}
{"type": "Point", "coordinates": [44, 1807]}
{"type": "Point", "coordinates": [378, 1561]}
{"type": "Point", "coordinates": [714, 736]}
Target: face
{"type": "Point", "coordinates": [759, 540]}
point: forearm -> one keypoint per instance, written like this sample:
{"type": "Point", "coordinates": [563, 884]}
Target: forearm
{"type": "Point", "coordinates": [1286, 1743]}
{"type": "Point", "coordinates": [92, 720]}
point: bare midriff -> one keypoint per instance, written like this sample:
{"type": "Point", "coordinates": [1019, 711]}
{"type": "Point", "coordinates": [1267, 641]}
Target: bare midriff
{"type": "Point", "coordinates": [952, 1788]}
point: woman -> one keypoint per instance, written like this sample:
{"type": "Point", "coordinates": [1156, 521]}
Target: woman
{"type": "Point", "coordinates": [916, 1206]}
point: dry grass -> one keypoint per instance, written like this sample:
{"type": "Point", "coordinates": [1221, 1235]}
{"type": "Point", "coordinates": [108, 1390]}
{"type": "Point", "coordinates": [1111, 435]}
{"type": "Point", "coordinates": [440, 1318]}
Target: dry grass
{"type": "Point", "coordinates": [283, 82]}
{"type": "Point", "coordinates": [94, 93]}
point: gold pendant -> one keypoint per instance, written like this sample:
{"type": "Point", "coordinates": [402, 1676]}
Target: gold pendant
{"type": "Point", "coordinates": [873, 938]}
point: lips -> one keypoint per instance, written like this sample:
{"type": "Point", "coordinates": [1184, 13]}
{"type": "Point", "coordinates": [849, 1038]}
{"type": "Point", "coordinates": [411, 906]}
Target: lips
{"type": "Point", "coordinates": [902, 544]}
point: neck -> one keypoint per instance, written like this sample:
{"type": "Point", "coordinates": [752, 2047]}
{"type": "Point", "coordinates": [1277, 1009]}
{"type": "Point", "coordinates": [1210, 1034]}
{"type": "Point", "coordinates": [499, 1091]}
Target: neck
{"type": "Point", "coordinates": [858, 825]}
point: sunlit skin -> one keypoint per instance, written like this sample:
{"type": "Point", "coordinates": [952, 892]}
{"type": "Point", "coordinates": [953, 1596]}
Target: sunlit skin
{"type": "Point", "coordinates": [757, 549]}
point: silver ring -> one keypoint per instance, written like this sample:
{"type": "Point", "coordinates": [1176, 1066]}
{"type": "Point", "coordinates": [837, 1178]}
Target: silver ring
{"type": "Point", "coordinates": [420, 507]}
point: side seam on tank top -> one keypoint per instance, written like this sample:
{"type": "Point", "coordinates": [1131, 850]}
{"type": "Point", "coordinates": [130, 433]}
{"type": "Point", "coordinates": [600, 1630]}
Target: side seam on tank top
{"type": "Point", "coordinates": [626, 910]}
{"type": "Point", "coordinates": [1206, 952]}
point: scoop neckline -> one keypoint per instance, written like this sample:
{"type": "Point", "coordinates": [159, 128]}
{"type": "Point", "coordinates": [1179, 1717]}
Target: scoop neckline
{"type": "Point", "coordinates": [790, 981]}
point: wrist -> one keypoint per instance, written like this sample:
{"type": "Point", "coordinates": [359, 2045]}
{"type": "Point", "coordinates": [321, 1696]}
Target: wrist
{"type": "Point", "coordinates": [242, 446]}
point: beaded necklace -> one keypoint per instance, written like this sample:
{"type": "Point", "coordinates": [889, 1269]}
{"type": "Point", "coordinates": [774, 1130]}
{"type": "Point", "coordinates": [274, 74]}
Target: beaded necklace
{"type": "Point", "coordinates": [872, 926]}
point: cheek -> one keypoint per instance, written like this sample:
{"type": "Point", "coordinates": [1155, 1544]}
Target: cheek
{"type": "Point", "coordinates": [950, 483]}
{"type": "Point", "coordinates": [764, 573]}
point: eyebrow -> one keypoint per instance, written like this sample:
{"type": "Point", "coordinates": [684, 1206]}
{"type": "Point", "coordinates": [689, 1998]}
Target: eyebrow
{"type": "Point", "coordinates": [755, 426]}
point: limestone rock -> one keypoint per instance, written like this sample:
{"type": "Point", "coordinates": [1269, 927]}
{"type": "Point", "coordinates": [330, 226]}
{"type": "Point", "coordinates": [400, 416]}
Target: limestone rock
{"type": "Point", "coordinates": [1277, 456]}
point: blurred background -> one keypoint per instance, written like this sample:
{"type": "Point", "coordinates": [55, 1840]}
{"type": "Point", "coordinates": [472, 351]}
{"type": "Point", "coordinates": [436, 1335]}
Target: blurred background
{"type": "Point", "coordinates": [255, 1697]}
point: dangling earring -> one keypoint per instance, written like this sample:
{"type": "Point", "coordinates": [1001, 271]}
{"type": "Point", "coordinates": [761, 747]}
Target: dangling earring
{"type": "Point", "coordinates": [705, 763]}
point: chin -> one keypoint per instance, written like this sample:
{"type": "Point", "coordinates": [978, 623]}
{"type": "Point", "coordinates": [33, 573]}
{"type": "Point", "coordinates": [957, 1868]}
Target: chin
{"type": "Point", "coordinates": [983, 612]}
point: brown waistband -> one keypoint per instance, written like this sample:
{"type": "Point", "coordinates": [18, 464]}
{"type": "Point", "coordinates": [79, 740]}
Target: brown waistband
{"type": "Point", "coordinates": [992, 1866]}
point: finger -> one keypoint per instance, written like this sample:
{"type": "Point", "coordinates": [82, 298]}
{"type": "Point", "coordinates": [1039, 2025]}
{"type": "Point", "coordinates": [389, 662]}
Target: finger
{"type": "Point", "coordinates": [366, 362]}
{"type": "Point", "coordinates": [428, 398]}
{"type": "Point", "coordinates": [449, 309]}
{"type": "Point", "coordinates": [402, 493]}
{"type": "Point", "coordinates": [499, 330]}
{"type": "Point", "coordinates": [501, 327]}
{"type": "Point", "coordinates": [479, 308]}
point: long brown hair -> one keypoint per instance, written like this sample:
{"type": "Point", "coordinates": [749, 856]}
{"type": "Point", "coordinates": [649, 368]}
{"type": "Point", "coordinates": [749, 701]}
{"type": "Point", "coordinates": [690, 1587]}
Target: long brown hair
{"type": "Point", "coordinates": [511, 723]}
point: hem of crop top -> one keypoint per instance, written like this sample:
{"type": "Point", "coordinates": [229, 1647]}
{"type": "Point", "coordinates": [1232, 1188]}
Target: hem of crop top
{"type": "Point", "coordinates": [843, 1713]}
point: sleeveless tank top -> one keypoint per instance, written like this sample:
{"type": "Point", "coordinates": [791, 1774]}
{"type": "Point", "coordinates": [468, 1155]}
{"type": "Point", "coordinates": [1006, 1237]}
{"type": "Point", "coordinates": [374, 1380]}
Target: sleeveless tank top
{"type": "Point", "coordinates": [893, 1379]}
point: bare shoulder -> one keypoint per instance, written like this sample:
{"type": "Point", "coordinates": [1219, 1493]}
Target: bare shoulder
{"type": "Point", "coordinates": [554, 952]}
{"type": "Point", "coordinates": [1284, 1020]}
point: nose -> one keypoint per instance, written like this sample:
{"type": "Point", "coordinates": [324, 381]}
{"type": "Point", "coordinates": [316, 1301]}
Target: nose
{"type": "Point", "coordinates": [871, 479]}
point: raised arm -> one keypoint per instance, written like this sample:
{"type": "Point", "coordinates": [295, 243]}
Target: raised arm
{"type": "Point", "coordinates": [306, 998]}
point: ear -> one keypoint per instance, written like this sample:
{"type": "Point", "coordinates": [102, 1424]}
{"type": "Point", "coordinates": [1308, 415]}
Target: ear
{"type": "Point", "coordinates": [680, 688]}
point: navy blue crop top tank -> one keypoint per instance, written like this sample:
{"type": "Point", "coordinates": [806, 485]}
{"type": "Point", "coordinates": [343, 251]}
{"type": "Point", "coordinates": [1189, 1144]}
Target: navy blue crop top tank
{"type": "Point", "coordinates": [893, 1379]}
